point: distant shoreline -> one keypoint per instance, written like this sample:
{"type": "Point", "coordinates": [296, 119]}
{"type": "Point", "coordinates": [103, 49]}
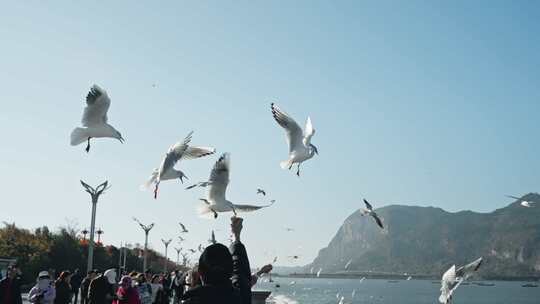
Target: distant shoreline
{"type": "Point", "coordinates": [400, 277]}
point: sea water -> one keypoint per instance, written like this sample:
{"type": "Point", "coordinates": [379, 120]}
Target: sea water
{"type": "Point", "coordinates": [326, 291]}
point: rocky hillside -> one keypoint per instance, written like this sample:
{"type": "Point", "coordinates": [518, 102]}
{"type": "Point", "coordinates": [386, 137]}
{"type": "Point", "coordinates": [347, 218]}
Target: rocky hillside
{"type": "Point", "coordinates": [427, 240]}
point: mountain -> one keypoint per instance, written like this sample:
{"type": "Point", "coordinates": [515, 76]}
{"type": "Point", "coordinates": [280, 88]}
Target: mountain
{"type": "Point", "coordinates": [428, 240]}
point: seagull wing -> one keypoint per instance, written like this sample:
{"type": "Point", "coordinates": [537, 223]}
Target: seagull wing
{"type": "Point", "coordinates": [308, 132]}
{"type": "Point", "coordinates": [514, 197]}
{"type": "Point", "coordinates": [97, 105]}
{"type": "Point", "coordinates": [368, 205]}
{"type": "Point", "coordinates": [294, 132]}
{"type": "Point", "coordinates": [448, 282]}
{"type": "Point", "coordinates": [466, 271]}
{"type": "Point", "coordinates": [196, 152]}
{"type": "Point", "coordinates": [219, 178]}
{"type": "Point", "coordinates": [249, 208]}
{"type": "Point", "coordinates": [174, 154]}
{"type": "Point", "coordinates": [378, 220]}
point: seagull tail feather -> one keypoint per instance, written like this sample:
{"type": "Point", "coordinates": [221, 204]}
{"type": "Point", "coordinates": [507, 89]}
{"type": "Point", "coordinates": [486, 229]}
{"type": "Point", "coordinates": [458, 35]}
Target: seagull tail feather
{"type": "Point", "coordinates": [78, 136]}
{"type": "Point", "coordinates": [285, 164]}
{"type": "Point", "coordinates": [204, 211]}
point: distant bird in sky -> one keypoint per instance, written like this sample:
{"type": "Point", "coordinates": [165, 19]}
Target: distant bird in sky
{"type": "Point", "coordinates": [362, 279]}
{"type": "Point", "coordinates": [180, 150]}
{"type": "Point", "coordinates": [409, 278]}
{"type": "Point", "coordinates": [192, 250]}
{"type": "Point", "coordinates": [292, 283]}
{"type": "Point", "coordinates": [94, 120]}
{"type": "Point", "coordinates": [342, 300]}
{"type": "Point", "coordinates": [275, 260]}
{"type": "Point", "coordinates": [216, 200]}
{"type": "Point", "coordinates": [289, 229]}
{"type": "Point", "coordinates": [294, 257]}
{"type": "Point", "coordinates": [181, 239]}
{"type": "Point", "coordinates": [369, 211]}
{"type": "Point", "coordinates": [184, 230]}
{"type": "Point", "coordinates": [452, 278]}
{"type": "Point", "coordinates": [261, 191]}
{"type": "Point", "coordinates": [353, 293]}
{"type": "Point", "coordinates": [348, 264]}
{"type": "Point", "coordinates": [522, 202]}
{"type": "Point", "coordinates": [319, 272]}
{"type": "Point", "coordinates": [300, 146]}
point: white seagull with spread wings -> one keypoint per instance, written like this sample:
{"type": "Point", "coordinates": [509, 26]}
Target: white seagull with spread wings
{"type": "Point", "coordinates": [300, 146]}
{"type": "Point", "coordinates": [453, 277]}
{"type": "Point", "coordinates": [369, 211]}
{"type": "Point", "coordinates": [217, 183]}
{"type": "Point", "coordinates": [94, 119]}
{"type": "Point", "coordinates": [180, 150]}
{"type": "Point", "coordinates": [522, 202]}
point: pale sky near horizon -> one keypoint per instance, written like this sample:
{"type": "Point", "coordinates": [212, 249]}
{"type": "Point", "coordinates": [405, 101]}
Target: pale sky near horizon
{"type": "Point", "coordinates": [426, 103]}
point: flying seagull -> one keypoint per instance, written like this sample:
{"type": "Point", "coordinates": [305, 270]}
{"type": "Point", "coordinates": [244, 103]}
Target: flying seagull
{"type": "Point", "coordinates": [523, 202]}
{"type": "Point", "coordinates": [181, 238]}
{"type": "Point", "coordinates": [192, 250]}
{"type": "Point", "coordinates": [453, 277]}
{"type": "Point", "coordinates": [261, 191]}
{"type": "Point", "coordinates": [319, 272]}
{"type": "Point", "coordinates": [184, 230]}
{"type": "Point", "coordinates": [289, 229]}
{"type": "Point", "coordinates": [180, 150]}
{"type": "Point", "coordinates": [369, 211]}
{"type": "Point", "coordinates": [216, 200]}
{"type": "Point", "coordinates": [94, 120]}
{"type": "Point", "coordinates": [300, 146]}
{"type": "Point", "coordinates": [348, 264]}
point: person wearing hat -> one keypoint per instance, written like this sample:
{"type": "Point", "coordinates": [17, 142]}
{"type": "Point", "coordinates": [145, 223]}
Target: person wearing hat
{"type": "Point", "coordinates": [43, 292]}
{"type": "Point", "coordinates": [10, 287]}
{"type": "Point", "coordinates": [225, 275]}
{"type": "Point", "coordinates": [101, 290]}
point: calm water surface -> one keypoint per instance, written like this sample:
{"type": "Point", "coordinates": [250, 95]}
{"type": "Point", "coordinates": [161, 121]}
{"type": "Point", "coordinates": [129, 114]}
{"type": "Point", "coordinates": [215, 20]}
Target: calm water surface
{"type": "Point", "coordinates": [323, 291]}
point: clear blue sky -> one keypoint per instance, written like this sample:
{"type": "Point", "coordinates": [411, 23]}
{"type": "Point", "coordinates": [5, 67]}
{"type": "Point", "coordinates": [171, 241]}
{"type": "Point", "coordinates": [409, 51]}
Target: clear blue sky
{"type": "Point", "coordinates": [422, 103]}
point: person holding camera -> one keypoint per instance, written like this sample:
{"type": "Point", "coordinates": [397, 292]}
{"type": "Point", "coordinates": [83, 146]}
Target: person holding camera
{"type": "Point", "coordinates": [43, 292]}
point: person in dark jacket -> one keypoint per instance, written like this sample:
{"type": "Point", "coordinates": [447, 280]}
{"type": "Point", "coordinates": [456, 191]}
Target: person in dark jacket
{"type": "Point", "coordinates": [225, 275]}
{"type": "Point", "coordinates": [10, 287]}
{"type": "Point", "coordinates": [101, 290]}
{"type": "Point", "coordinates": [85, 285]}
{"type": "Point", "coordinates": [63, 289]}
{"type": "Point", "coordinates": [75, 283]}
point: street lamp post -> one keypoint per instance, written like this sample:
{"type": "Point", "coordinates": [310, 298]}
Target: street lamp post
{"type": "Point", "coordinates": [146, 230]}
{"type": "Point", "coordinates": [166, 243]}
{"type": "Point", "coordinates": [94, 193]}
{"type": "Point", "coordinates": [178, 250]}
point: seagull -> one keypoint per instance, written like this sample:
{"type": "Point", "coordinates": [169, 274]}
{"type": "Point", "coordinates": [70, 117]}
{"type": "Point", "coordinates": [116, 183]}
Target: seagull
{"type": "Point", "coordinates": [453, 277]}
{"type": "Point", "coordinates": [341, 301]}
{"type": "Point", "coordinates": [409, 278]}
{"type": "Point", "coordinates": [275, 260]}
{"type": "Point", "coordinates": [292, 283]}
{"type": "Point", "coordinates": [294, 257]}
{"type": "Point", "coordinates": [362, 279]}
{"type": "Point", "coordinates": [261, 191]}
{"type": "Point", "coordinates": [181, 238]}
{"type": "Point", "coordinates": [300, 146]}
{"type": "Point", "coordinates": [180, 150]}
{"type": "Point", "coordinates": [319, 272]}
{"type": "Point", "coordinates": [523, 203]}
{"type": "Point", "coordinates": [353, 293]}
{"type": "Point", "coordinates": [369, 211]}
{"type": "Point", "coordinates": [94, 120]}
{"type": "Point", "coordinates": [348, 264]}
{"type": "Point", "coordinates": [289, 229]}
{"type": "Point", "coordinates": [216, 200]}
{"type": "Point", "coordinates": [184, 230]}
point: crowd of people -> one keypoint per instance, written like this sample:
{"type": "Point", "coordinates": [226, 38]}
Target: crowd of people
{"type": "Point", "coordinates": [223, 275]}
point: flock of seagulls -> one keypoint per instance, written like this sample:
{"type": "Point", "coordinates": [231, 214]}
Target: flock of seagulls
{"type": "Point", "coordinates": [95, 125]}
{"type": "Point", "coordinates": [300, 149]}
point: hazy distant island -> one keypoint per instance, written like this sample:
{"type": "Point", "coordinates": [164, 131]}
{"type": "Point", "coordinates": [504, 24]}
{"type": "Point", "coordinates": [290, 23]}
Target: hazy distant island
{"type": "Point", "coordinates": [424, 241]}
